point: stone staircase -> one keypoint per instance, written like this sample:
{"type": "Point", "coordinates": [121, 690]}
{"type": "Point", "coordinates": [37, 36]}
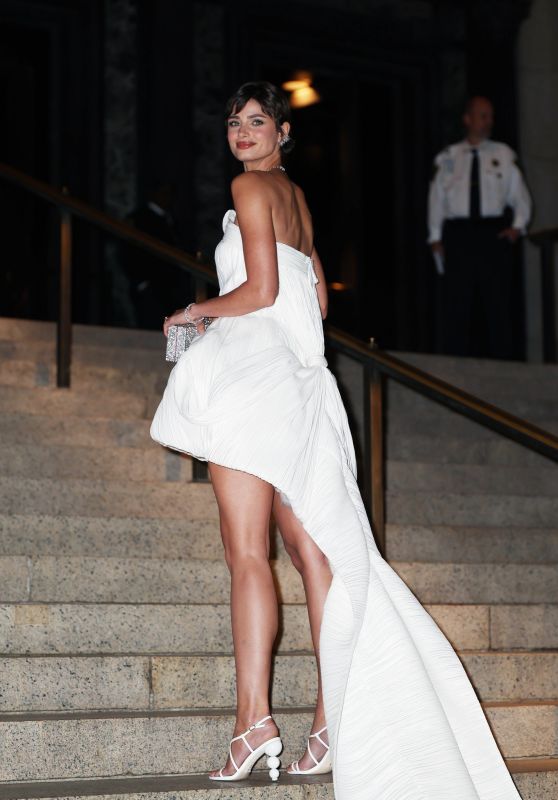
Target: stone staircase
{"type": "Point", "coordinates": [115, 648]}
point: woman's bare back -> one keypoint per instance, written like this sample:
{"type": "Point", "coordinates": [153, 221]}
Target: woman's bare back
{"type": "Point", "coordinates": [292, 220]}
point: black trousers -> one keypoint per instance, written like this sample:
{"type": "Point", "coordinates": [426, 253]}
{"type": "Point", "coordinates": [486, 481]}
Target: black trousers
{"type": "Point", "coordinates": [478, 278]}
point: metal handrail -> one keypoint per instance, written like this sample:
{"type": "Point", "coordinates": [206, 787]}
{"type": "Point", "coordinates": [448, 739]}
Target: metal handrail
{"type": "Point", "coordinates": [544, 235]}
{"type": "Point", "coordinates": [123, 230]}
{"type": "Point", "coordinates": [376, 363]}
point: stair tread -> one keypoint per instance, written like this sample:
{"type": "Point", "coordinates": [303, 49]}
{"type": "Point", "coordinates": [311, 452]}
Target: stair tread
{"type": "Point", "coordinates": [177, 784]}
{"type": "Point", "coordinates": [159, 784]}
{"type": "Point", "coordinates": [187, 713]}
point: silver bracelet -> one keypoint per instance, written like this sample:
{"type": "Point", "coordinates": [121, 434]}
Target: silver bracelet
{"type": "Point", "coordinates": [188, 317]}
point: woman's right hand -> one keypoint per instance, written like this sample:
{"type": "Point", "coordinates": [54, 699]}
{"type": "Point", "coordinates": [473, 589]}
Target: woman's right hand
{"type": "Point", "coordinates": [178, 318]}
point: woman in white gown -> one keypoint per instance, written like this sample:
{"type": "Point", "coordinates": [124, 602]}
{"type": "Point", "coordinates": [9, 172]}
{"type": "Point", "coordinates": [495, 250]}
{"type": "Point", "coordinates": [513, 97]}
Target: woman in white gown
{"type": "Point", "coordinates": [396, 716]}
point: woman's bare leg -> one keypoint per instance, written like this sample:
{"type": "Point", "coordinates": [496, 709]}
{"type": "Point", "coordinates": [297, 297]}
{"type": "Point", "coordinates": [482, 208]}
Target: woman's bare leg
{"type": "Point", "coordinates": [314, 568]}
{"type": "Point", "coordinates": [244, 509]}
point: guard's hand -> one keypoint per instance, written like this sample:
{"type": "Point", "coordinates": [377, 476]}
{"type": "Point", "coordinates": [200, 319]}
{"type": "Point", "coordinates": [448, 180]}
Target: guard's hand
{"type": "Point", "coordinates": [438, 255]}
{"type": "Point", "coordinates": [511, 234]}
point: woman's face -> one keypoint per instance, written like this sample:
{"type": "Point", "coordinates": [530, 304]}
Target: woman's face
{"type": "Point", "coordinates": [252, 134]}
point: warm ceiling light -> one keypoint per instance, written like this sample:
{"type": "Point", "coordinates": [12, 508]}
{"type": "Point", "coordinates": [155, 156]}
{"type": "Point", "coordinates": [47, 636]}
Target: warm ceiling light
{"type": "Point", "coordinates": [337, 286]}
{"type": "Point", "coordinates": [294, 86]}
{"type": "Point", "coordinates": [300, 80]}
{"type": "Point", "coordinates": [305, 96]}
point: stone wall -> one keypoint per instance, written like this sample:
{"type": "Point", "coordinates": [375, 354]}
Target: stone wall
{"type": "Point", "coordinates": [120, 116]}
{"type": "Point", "coordinates": [538, 103]}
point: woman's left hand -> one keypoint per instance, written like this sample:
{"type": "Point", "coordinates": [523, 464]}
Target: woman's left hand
{"type": "Point", "coordinates": [178, 318]}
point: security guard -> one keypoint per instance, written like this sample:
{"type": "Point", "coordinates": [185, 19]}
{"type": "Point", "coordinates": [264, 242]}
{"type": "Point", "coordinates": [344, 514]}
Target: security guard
{"type": "Point", "coordinates": [478, 207]}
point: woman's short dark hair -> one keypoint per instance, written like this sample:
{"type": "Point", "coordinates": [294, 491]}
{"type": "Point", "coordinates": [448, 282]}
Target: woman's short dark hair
{"type": "Point", "coordinates": [273, 101]}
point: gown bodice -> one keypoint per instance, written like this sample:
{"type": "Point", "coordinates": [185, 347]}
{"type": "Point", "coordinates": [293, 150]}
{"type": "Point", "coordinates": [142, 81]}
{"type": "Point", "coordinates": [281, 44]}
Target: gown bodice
{"type": "Point", "coordinates": [296, 309]}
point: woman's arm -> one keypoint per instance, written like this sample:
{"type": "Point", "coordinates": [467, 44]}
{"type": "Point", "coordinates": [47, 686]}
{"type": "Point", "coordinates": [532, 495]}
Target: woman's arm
{"type": "Point", "coordinates": [321, 286]}
{"type": "Point", "coordinates": [253, 212]}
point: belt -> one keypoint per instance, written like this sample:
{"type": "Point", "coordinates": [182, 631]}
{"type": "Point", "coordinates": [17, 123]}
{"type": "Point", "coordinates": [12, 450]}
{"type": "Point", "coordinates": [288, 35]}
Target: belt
{"type": "Point", "coordinates": [463, 221]}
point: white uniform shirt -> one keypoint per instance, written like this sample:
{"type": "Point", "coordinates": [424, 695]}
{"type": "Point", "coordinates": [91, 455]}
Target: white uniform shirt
{"type": "Point", "coordinates": [501, 185]}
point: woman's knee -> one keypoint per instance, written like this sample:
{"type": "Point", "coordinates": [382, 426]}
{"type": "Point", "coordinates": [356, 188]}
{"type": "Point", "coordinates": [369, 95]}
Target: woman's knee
{"type": "Point", "coordinates": [306, 556]}
{"type": "Point", "coordinates": [244, 552]}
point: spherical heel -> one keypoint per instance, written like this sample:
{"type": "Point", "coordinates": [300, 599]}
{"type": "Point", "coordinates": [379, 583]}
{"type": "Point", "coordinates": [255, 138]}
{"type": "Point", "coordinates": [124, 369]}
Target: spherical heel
{"type": "Point", "coordinates": [274, 747]}
{"type": "Point", "coordinates": [272, 751]}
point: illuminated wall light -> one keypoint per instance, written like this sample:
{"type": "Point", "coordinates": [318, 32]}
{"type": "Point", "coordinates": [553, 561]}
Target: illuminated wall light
{"type": "Point", "coordinates": [293, 86]}
{"type": "Point", "coordinates": [300, 79]}
{"type": "Point", "coordinates": [302, 92]}
{"type": "Point", "coordinates": [306, 96]}
{"type": "Point", "coordinates": [337, 286]}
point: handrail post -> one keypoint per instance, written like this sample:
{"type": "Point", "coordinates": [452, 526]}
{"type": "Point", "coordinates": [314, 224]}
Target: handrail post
{"type": "Point", "coordinates": [548, 301]}
{"type": "Point", "coordinates": [64, 326]}
{"type": "Point", "coordinates": [374, 469]}
{"type": "Point", "coordinates": [378, 465]}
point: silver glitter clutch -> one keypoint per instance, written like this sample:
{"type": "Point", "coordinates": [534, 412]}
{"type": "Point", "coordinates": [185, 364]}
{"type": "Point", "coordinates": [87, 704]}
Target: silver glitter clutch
{"type": "Point", "coordinates": [180, 337]}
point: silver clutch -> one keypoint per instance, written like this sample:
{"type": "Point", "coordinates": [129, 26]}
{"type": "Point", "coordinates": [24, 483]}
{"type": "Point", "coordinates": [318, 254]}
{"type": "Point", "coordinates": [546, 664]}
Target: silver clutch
{"type": "Point", "coordinates": [180, 337]}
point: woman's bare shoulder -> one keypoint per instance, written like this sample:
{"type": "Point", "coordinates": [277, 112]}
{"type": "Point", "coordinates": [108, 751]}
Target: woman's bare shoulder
{"type": "Point", "coordinates": [248, 182]}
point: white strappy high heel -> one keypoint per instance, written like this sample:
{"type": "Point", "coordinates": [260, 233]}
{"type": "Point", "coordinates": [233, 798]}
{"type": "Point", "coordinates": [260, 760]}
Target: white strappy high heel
{"type": "Point", "coordinates": [271, 749]}
{"type": "Point", "coordinates": [320, 767]}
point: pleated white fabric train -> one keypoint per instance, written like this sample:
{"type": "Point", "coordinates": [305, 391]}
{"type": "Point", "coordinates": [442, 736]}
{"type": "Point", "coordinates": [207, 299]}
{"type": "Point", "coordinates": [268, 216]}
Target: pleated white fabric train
{"type": "Point", "coordinates": [254, 394]}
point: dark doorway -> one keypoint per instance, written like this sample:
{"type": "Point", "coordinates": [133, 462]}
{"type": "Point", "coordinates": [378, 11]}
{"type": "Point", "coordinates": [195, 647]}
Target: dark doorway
{"type": "Point", "coordinates": [24, 144]}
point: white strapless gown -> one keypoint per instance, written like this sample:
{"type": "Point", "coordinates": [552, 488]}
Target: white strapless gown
{"type": "Point", "coordinates": [254, 394]}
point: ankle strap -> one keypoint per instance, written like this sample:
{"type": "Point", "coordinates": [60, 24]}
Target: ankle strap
{"type": "Point", "coordinates": [258, 724]}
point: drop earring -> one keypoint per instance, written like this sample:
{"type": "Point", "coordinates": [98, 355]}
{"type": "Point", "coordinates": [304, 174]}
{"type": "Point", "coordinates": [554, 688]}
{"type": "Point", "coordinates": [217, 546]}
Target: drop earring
{"type": "Point", "coordinates": [286, 138]}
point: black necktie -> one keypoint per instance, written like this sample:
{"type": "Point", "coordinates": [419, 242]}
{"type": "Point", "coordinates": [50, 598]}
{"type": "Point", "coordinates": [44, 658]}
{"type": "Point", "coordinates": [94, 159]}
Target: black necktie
{"type": "Point", "coordinates": [474, 186]}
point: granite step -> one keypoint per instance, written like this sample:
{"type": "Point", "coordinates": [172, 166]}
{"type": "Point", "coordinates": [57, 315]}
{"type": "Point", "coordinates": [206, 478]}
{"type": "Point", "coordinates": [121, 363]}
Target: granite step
{"type": "Point", "coordinates": [98, 355]}
{"type": "Point", "coordinates": [474, 510]}
{"type": "Point", "coordinates": [67, 430]}
{"type": "Point", "coordinates": [30, 331]}
{"type": "Point", "coordinates": [107, 498]}
{"type": "Point", "coordinates": [120, 537]}
{"type": "Point", "coordinates": [471, 479]}
{"type": "Point", "coordinates": [42, 373]}
{"type": "Point", "coordinates": [536, 779]}
{"type": "Point", "coordinates": [110, 628]}
{"type": "Point", "coordinates": [466, 544]}
{"type": "Point", "coordinates": [518, 397]}
{"type": "Point", "coordinates": [129, 537]}
{"type": "Point", "coordinates": [176, 500]}
{"type": "Point", "coordinates": [442, 422]}
{"type": "Point", "coordinates": [126, 744]}
{"type": "Point", "coordinates": [150, 463]}
{"type": "Point", "coordinates": [133, 682]}
{"type": "Point", "coordinates": [101, 744]}
{"type": "Point", "coordinates": [481, 583]}
{"type": "Point", "coordinates": [86, 579]}
{"type": "Point", "coordinates": [97, 402]}
{"type": "Point", "coordinates": [484, 448]}
{"type": "Point", "coordinates": [478, 372]}
{"type": "Point", "coordinates": [121, 629]}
